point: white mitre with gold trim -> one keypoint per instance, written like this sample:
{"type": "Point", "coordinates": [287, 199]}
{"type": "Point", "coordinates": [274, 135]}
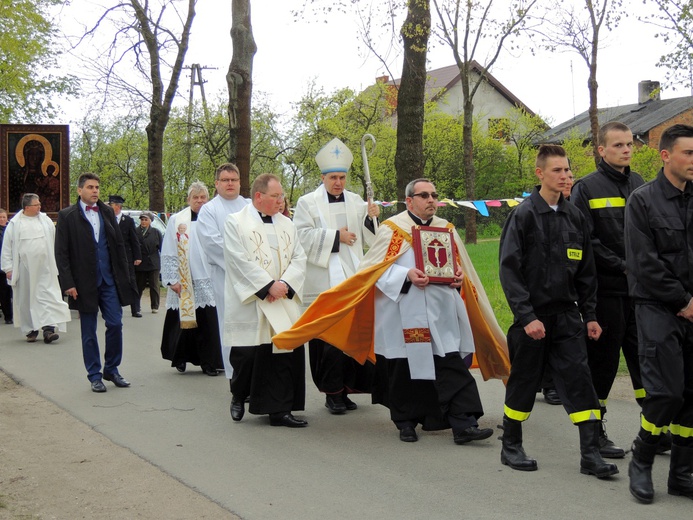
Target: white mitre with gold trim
{"type": "Point", "coordinates": [334, 157]}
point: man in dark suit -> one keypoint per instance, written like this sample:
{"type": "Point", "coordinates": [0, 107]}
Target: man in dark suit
{"type": "Point", "coordinates": [93, 273]}
{"type": "Point", "coordinates": [132, 247]}
{"type": "Point", "coordinates": [147, 273]}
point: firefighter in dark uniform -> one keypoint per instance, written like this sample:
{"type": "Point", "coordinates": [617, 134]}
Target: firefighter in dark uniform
{"type": "Point", "coordinates": [547, 273]}
{"type": "Point", "coordinates": [602, 197]}
{"type": "Point", "coordinates": [659, 264]}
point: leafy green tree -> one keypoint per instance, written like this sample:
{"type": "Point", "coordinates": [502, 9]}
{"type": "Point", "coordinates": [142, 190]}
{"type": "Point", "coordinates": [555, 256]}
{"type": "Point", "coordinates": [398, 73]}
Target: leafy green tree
{"type": "Point", "coordinates": [471, 29]}
{"type": "Point", "coordinates": [578, 28]}
{"type": "Point", "coordinates": [347, 116]}
{"type": "Point", "coordinates": [522, 130]}
{"type": "Point", "coordinates": [29, 55]}
{"type": "Point", "coordinates": [443, 163]}
{"type": "Point", "coordinates": [579, 151]}
{"type": "Point", "coordinates": [646, 161]}
{"type": "Point", "coordinates": [117, 152]}
{"type": "Point", "coordinates": [675, 20]}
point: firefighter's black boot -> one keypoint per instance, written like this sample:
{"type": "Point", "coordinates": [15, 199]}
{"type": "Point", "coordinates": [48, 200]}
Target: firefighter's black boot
{"type": "Point", "coordinates": [607, 448]}
{"type": "Point", "coordinates": [640, 470]}
{"type": "Point", "coordinates": [591, 462]}
{"type": "Point", "coordinates": [680, 469]}
{"type": "Point", "coordinates": [512, 452]}
{"type": "Point", "coordinates": [664, 443]}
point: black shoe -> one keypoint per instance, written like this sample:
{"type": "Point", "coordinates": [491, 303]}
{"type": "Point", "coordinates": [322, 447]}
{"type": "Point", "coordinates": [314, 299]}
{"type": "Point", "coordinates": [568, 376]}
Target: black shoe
{"type": "Point", "coordinates": [137, 314]}
{"type": "Point", "coordinates": [181, 367]}
{"type": "Point", "coordinates": [209, 371]}
{"type": "Point", "coordinates": [335, 404]}
{"type": "Point", "coordinates": [237, 409]}
{"type": "Point", "coordinates": [288, 420]}
{"type": "Point", "coordinates": [98, 386]}
{"type": "Point", "coordinates": [408, 434]}
{"type": "Point", "coordinates": [472, 433]}
{"type": "Point", "coordinates": [9, 322]}
{"type": "Point", "coordinates": [49, 335]}
{"type": "Point", "coordinates": [117, 380]}
{"type": "Point", "coordinates": [350, 405]}
{"type": "Point", "coordinates": [31, 337]}
{"type": "Point", "coordinates": [551, 396]}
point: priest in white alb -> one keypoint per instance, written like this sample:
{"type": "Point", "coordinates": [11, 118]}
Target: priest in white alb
{"type": "Point", "coordinates": [334, 226]}
{"type": "Point", "coordinates": [28, 258]}
{"type": "Point", "coordinates": [265, 271]}
{"type": "Point", "coordinates": [419, 327]}
{"type": "Point", "coordinates": [191, 327]}
{"type": "Point", "coordinates": [210, 223]}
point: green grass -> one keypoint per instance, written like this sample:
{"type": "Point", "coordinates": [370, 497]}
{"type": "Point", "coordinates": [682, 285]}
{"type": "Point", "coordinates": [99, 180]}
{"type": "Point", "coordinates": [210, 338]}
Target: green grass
{"type": "Point", "coordinates": [484, 256]}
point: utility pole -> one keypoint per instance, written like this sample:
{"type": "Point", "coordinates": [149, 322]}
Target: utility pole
{"type": "Point", "coordinates": [195, 80]}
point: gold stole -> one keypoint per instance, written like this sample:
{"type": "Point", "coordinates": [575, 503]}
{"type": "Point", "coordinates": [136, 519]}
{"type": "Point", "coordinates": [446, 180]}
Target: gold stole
{"type": "Point", "coordinates": [186, 305]}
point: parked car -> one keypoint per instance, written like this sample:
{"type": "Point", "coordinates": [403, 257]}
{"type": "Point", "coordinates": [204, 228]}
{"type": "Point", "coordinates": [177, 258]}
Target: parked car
{"type": "Point", "coordinates": [158, 223]}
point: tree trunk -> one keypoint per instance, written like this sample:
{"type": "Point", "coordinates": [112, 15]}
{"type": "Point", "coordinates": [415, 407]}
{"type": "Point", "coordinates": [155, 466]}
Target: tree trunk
{"type": "Point", "coordinates": [594, 108]}
{"type": "Point", "coordinates": [240, 85]}
{"type": "Point", "coordinates": [469, 170]}
{"type": "Point", "coordinates": [161, 100]}
{"type": "Point", "coordinates": [155, 154]}
{"type": "Point", "coordinates": [410, 99]}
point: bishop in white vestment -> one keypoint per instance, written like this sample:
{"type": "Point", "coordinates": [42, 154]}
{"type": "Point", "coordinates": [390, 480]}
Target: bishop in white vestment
{"type": "Point", "coordinates": [334, 226]}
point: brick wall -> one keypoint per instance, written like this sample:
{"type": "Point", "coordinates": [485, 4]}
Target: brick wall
{"type": "Point", "coordinates": [653, 136]}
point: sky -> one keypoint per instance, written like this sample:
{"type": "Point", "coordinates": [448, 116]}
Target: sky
{"type": "Point", "coordinates": [293, 53]}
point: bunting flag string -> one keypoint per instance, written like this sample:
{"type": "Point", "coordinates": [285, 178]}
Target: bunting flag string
{"type": "Point", "coordinates": [481, 206]}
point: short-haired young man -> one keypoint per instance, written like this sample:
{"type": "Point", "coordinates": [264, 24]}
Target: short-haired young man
{"type": "Point", "coordinates": [548, 276]}
{"type": "Point", "coordinates": [602, 196]}
{"type": "Point", "coordinates": [659, 264]}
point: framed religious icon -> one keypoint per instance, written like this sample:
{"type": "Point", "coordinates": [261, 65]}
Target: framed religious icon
{"type": "Point", "coordinates": [434, 251]}
{"type": "Point", "coordinates": [35, 159]}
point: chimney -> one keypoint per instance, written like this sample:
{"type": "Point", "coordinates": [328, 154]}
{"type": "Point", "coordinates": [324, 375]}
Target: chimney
{"type": "Point", "coordinates": [648, 90]}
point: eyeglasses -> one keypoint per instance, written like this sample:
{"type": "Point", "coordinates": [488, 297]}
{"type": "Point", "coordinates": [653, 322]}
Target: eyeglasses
{"type": "Point", "coordinates": [424, 195]}
{"type": "Point", "coordinates": [275, 196]}
{"type": "Point", "coordinates": [34, 205]}
{"type": "Point", "coordinates": [226, 181]}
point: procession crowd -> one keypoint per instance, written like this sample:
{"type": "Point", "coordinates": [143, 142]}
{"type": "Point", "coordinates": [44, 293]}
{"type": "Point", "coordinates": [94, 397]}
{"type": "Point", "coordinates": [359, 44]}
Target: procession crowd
{"type": "Point", "coordinates": [395, 308]}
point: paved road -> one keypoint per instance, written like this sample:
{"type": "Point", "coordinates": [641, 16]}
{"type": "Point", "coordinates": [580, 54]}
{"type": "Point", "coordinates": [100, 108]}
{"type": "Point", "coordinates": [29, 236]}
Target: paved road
{"type": "Point", "coordinates": [350, 466]}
